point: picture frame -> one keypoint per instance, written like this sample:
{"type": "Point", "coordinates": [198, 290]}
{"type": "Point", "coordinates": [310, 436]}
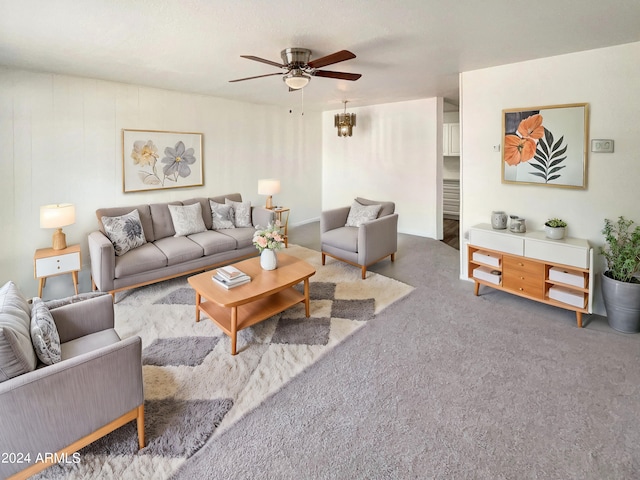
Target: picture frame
{"type": "Point", "coordinates": [546, 145]}
{"type": "Point", "coordinates": [160, 160]}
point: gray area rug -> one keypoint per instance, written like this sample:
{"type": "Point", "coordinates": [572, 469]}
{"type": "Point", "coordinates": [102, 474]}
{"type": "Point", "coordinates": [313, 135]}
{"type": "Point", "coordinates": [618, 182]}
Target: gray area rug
{"type": "Point", "coordinates": [195, 389]}
{"type": "Point", "coordinates": [446, 385]}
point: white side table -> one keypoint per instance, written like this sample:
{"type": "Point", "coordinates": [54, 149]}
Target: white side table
{"type": "Point", "coordinates": [48, 262]}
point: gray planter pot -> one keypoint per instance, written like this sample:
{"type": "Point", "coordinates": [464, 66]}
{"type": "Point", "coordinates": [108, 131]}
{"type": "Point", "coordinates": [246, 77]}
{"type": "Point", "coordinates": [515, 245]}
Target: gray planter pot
{"type": "Point", "coordinates": [622, 302]}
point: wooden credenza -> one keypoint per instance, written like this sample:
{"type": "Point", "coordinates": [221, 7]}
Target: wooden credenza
{"type": "Point", "coordinates": [555, 272]}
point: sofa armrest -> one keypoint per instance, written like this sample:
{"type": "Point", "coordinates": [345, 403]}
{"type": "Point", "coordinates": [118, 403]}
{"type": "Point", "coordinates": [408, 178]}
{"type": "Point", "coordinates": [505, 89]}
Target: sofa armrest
{"type": "Point", "coordinates": [262, 217]}
{"type": "Point", "coordinates": [83, 318]}
{"type": "Point", "coordinates": [377, 239]}
{"type": "Point", "coordinates": [335, 218]}
{"type": "Point", "coordinates": [103, 261]}
{"type": "Point", "coordinates": [52, 407]}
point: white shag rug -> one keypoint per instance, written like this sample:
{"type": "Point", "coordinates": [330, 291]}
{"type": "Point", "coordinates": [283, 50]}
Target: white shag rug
{"type": "Point", "coordinates": [195, 388]}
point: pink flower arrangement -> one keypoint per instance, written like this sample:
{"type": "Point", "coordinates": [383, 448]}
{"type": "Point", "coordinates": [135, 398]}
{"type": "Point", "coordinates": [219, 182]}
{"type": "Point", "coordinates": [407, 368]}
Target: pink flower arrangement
{"type": "Point", "coordinates": [269, 238]}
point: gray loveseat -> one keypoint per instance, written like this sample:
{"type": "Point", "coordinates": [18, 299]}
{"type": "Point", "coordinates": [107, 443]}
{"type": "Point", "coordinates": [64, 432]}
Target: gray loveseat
{"type": "Point", "coordinates": [93, 386]}
{"type": "Point", "coordinates": [165, 255]}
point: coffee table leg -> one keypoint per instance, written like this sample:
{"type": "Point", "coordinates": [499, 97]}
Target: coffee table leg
{"type": "Point", "coordinates": [306, 297]}
{"type": "Point", "coordinates": [234, 327]}
{"type": "Point", "coordinates": [197, 307]}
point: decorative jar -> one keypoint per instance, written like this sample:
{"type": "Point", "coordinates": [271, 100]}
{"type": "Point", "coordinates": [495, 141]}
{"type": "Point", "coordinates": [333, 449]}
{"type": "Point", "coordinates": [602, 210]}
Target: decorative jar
{"type": "Point", "coordinates": [498, 220]}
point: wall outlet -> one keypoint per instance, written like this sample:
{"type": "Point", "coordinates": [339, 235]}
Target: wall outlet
{"type": "Point", "coordinates": [602, 146]}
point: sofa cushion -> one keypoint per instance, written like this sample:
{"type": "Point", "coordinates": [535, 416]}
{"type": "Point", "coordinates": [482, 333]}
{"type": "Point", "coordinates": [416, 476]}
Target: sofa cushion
{"type": "Point", "coordinates": [241, 215]}
{"type": "Point", "coordinates": [179, 249]}
{"type": "Point", "coordinates": [44, 333]}
{"type": "Point", "coordinates": [16, 352]}
{"type": "Point", "coordinates": [221, 215]}
{"type": "Point", "coordinates": [344, 238]}
{"type": "Point", "coordinates": [161, 218]}
{"type": "Point", "coordinates": [89, 343]}
{"type": "Point", "coordinates": [359, 214]}
{"type": "Point", "coordinates": [242, 236]}
{"type": "Point", "coordinates": [125, 232]}
{"type": "Point", "coordinates": [387, 207]}
{"type": "Point", "coordinates": [213, 242]}
{"type": "Point", "coordinates": [206, 209]}
{"type": "Point", "coordinates": [142, 259]}
{"type": "Point", "coordinates": [187, 219]}
{"type": "Point", "coordinates": [143, 211]}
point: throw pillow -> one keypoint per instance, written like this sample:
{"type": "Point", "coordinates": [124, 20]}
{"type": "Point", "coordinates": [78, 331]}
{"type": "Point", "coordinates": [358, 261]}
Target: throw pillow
{"type": "Point", "coordinates": [125, 231]}
{"type": "Point", "coordinates": [16, 351]}
{"type": "Point", "coordinates": [44, 333]}
{"type": "Point", "coordinates": [187, 219]}
{"type": "Point", "coordinates": [359, 214]}
{"type": "Point", "coordinates": [221, 215]}
{"type": "Point", "coordinates": [241, 213]}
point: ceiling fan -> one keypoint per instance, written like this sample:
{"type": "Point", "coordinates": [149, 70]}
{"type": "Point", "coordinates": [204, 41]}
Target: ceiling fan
{"type": "Point", "coordinates": [299, 70]}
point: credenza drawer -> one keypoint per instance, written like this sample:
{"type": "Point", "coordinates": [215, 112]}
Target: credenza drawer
{"type": "Point", "coordinates": [496, 241]}
{"type": "Point", "coordinates": [565, 254]}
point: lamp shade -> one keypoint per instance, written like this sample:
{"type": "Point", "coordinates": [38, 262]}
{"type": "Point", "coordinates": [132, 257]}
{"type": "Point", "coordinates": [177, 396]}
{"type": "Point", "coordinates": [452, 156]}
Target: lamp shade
{"type": "Point", "coordinates": [268, 186]}
{"type": "Point", "coordinates": [296, 79]}
{"type": "Point", "coordinates": [57, 215]}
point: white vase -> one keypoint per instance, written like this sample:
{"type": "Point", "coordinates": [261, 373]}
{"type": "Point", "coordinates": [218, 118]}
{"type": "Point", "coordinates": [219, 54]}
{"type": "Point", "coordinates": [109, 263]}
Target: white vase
{"type": "Point", "coordinates": [268, 259]}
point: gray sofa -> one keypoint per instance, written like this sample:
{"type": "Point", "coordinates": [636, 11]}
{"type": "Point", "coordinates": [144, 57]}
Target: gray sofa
{"type": "Point", "coordinates": [92, 388]}
{"type": "Point", "coordinates": [372, 240]}
{"type": "Point", "coordinates": [165, 255]}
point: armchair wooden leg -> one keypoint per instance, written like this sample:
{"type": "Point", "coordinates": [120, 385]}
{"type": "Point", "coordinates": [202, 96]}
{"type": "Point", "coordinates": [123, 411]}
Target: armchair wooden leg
{"type": "Point", "coordinates": [364, 272]}
{"type": "Point", "coordinates": [393, 257]}
{"type": "Point", "coordinates": [140, 423]}
{"type": "Point", "coordinates": [324, 257]}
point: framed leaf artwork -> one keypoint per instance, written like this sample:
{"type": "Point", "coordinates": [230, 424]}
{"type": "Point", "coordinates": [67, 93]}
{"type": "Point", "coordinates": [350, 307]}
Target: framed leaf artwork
{"type": "Point", "coordinates": [546, 145]}
{"type": "Point", "coordinates": [156, 160]}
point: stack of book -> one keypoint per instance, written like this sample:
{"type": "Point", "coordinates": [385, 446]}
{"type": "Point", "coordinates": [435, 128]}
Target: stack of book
{"type": "Point", "coordinates": [230, 276]}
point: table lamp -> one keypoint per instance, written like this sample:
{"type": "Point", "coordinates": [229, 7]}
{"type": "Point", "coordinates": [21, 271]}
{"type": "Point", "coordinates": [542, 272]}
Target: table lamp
{"type": "Point", "coordinates": [269, 187]}
{"type": "Point", "coordinates": [57, 216]}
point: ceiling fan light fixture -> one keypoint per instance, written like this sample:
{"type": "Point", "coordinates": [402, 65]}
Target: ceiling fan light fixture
{"type": "Point", "coordinates": [296, 79]}
{"type": "Point", "coordinates": [344, 122]}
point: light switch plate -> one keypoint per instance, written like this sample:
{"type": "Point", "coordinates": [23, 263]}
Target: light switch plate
{"type": "Point", "coordinates": [602, 146]}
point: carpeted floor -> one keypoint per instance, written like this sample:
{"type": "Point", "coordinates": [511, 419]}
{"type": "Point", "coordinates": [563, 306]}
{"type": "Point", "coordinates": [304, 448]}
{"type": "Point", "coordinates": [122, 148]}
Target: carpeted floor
{"type": "Point", "coordinates": [443, 384]}
{"type": "Point", "coordinates": [194, 387]}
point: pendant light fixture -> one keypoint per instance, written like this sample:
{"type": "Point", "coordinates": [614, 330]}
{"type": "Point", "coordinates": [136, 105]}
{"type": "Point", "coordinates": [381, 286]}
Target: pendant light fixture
{"type": "Point", "coordinates": [345, 122]}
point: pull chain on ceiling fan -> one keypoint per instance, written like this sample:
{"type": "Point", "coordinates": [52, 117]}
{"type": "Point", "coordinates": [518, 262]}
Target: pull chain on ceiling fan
{"type": "Point", "coordinates": [299, 69]}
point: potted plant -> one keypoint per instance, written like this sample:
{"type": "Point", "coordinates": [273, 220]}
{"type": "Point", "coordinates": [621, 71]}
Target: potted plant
{"type": "Point", "coordinates": [555, 228]}
{"type": "Point", "coordinates": [620, 286]}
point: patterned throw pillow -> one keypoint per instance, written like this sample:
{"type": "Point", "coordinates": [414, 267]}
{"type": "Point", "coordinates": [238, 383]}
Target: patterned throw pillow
{"type": "Point", "coordinates": [16, 350]}
{"type": "Point", "coordinates": [44, 334]}
{"type": "Point", "coordinates": [125, 231]}
{"type": "Point", "coordinates": [187, 219]}
{"type": "Point", "coordinates": [222, 215]}
{"type": "Point", "coordinates": [241, 213]}
{"type": "Point", "coordinates": [359, 214]}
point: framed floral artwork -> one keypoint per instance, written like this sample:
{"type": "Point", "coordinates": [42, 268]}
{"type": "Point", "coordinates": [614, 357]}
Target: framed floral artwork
{"type": "Point", "coordinates": [156, 160]}
{"type": "Point", "coordinates": [546, 145]}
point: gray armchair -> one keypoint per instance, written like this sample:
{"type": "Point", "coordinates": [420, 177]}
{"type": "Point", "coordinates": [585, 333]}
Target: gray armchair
{"type": "Point", "coordinates": [363, 245]}
{"type": "Point", "coordinates": [93, 390]}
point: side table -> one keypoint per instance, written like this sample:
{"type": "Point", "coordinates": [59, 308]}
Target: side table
{"type": "Point", "coordinates": [48, 262]}
{"type": "Point", "coordinates": [283, 225]}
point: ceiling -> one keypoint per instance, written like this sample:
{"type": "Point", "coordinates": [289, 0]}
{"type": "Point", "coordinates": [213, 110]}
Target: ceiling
{"type": "Point", "coordinates": [406, 49]}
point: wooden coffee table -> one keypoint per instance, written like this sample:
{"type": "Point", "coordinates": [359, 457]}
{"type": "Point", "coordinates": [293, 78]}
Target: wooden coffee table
{"type": "Point", "coordinates": [269, 292]}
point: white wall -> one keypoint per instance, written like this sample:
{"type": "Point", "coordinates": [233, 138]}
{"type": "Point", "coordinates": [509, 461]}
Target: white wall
{"type": "Point", "coordinates": [606, 79]}
{"type": "Point", "coordinates": [61, 140]}
{"type": "Point", "coordinates": [392, 155]}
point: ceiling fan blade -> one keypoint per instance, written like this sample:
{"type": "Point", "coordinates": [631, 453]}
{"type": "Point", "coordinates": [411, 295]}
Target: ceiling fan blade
{"type": "Point", "coordinates": [340, 56]}
{"type": "Point", "coordinates": [258, 76]}
{"type": "Point", "coordinates": [268, 62]}
{"type": "Point", "coordinates": [338, 75]}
